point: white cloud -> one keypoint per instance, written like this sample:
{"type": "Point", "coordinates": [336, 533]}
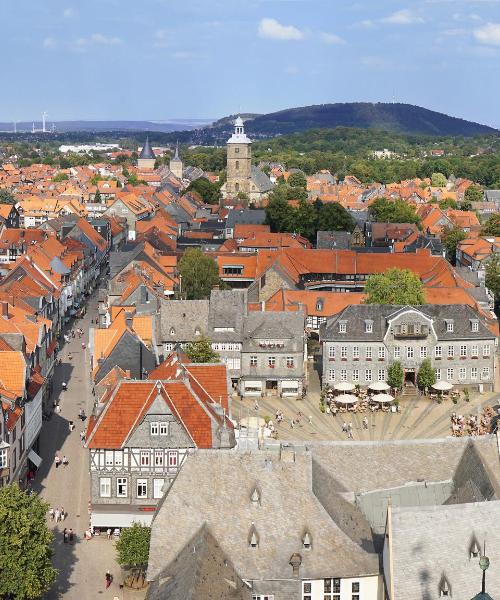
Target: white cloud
{"type": "Point", "coordinates": [69, 13]}
{"type": "Point", "coordinates": [403, 17]}
{"type": "Point", "coordinates": [331, 38]}
{"type": "Point", "coordinates": [488, 34]}
{"type": "Point", "coordinates": [274, 30]}
{"type": "Point", "coordinates": [49, 42]}
{"type": "Point", "coordinates": [98, 39]}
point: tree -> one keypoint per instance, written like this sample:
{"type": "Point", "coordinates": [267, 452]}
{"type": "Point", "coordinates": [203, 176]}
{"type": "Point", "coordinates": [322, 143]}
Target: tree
{"type": "Point", "coordinates": [199, 273]}
{"type": "Point", "coordinates": [6, 196]}
{"type": "Point", "coordinates": [297, 180]}
{"type": "Point", "coordinates": [201, 351]}
{"type": "Point", "coordinates": [438, 180]}
{"type": "Point", "coordinates": [492, 226]}
{"type": "Point", "coordinates": [451, 238]}
{"type": "Point", "coordinates": [473, 193]}
{"type": "Point", "coordinates": [492, 276]}
{"type": "Point", "coordinates": [279, 214]}
{"type": "Point", "coordinates": [448, 203]}
{"type": "Point", "coordinates": [334, 217]}
{"type": "Point", "coordinates": [97, 197]}
{"type": "Point", "coordinates": [133, 550]}
{"type": "Point", "coordinates": [209, 192]}
{"type": "Point", "coordinates": [60, 177]}
{"type": "Point", "coordinates": [426, 376]}
{"type": "Point", "coordinates": [389, 211]}
{"type": "Point", "coordinates": [304, 221]}
{"type": "Point", "coordinates": [26, 569]}
{"type": "Point", "coordinates": [394, 286]}
{"type": "Point", "coordinates": [396, 375]}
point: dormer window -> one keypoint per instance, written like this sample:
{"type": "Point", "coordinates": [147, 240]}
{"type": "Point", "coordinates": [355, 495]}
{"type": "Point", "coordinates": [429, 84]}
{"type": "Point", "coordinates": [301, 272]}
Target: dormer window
{"type": "Point", "coordinates": [444, 588]}
{"type": "Point", "coordinates": [449, 326]}
{"type": "Point", "coordinates": [255, 496]}
{"type": "Point", "coordinates": [319, 304]}
{"type": "Point", "coordinates": [368, 326]}
{"type": "Point", "coordinates": [172, 331]}
{"type": "Point", "coordinates": [254, 538]}
{"type": "Point", "coordinates": [475, 550]}
{"type": "Point", "coordinates": [474, 325]}
{"type": "Point", "coordinates": [306, 541]}
{"type": "Point", "coordinates": [197, 331]}
{"type": "Point", "coordinates": [342, 326]}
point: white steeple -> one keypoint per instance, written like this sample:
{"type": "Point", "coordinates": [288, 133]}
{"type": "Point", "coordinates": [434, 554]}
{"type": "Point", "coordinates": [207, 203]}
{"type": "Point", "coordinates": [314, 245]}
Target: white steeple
{"type": "Point", "coordinates": [239, 136]}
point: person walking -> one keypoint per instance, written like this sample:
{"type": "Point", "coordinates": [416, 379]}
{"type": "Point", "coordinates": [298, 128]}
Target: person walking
{"type": "Point", "coordinates": [109, 579]}
{"type": "Point", "coordinates": [65, 535]}
{"type": "Point", "coordinates": [57, 515]}
{"type": "Point", "coordinates": [51, 513]}
{"type": "Point", "coordinates": [57, 460]}
{"type": "Point", "coordinates": [349, 431]}
{"type": "Point", "coordinates": [108, 533]}
{"type": "Point", "coordinates": [71, 535]}
{"type": "Point", "coordinates": [63, 514]}
{"type": "Point", "coordinates": [65, 461]}
{"type": "Point", "coordinates": [344, 427]}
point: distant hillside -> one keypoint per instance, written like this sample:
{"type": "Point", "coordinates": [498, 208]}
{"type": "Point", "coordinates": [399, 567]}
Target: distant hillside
{"type": "Point", "coordinates": [402, 118]}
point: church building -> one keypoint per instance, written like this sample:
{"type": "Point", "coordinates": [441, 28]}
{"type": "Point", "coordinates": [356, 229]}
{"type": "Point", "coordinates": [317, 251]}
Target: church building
{"type": "Point", "coordinates": [176, 166]}
{"type": "Point", "coordinates": [147, 157]}
{"type": "Point", "coordinates": [242, 176]}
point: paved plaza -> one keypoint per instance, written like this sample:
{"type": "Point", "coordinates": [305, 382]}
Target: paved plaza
{"type": "Point", "coordinates": [82, 566]}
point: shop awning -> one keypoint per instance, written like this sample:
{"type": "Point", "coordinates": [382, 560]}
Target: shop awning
{"type": "Point", "coordinates": [35, 459]}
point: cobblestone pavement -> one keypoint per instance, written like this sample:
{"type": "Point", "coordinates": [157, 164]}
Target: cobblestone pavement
{"type": "Point", "coordinates": [419, 416]}
{"type": "Point", "coordinates": [82, 566]}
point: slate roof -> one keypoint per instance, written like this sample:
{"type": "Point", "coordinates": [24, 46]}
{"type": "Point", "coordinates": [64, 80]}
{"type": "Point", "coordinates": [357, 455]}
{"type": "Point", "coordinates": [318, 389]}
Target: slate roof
{"type": "Point", "coordinates": [430, 543]}
{"type": "Point", "coordinates": [492, 195]}
{"type": "Point", "coordinates": [285, 326]}
{"type": "Point", "coordinates": [185, 317]}
{"type": "Point", "coordinates": [227, 309]}
{"type": "Point", "coordinates": [260, 180]}
{"type": "Point", "coordinates": [380, 314]}
{"type": "Point", "coordinates": [245, 217]}
{"type": "Point", "coordinates": [147, 151]}
{"type": "Point", "coordinates": [341, 240]}
{"type": "Point", "coordinates": [286, 508]}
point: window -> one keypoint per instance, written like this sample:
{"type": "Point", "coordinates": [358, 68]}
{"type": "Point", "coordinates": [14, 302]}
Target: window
{"type": "Point", "coordinates": [271, 361]}
{"type": "Point", "coordinates": [475, 325]}
{"type": "Point", "coordinates": [269, 597]}
{"type": "Point", "coordinates": [449, 326]}
{"type": "Point", "coordinates": [368, 326]}
{"type": "Point", "coordinates": [331, 351]}
{"type": "Point", "coordinates": [462, 373]}
{"type": "Point", "coordinates": [331, 375]}
{"type": "Point", "coordinates": [253, 361]}
{"type": "Point", "coordinates": [473, 373]}
{"type": "Point", "coordinates": [108, 458]}
{"type": "Point", "coordinates": [118, 458]}
{"type": "Point", "coordinates": [368, 375]}
{"type": "Point", "coordinates": [237, 165]}
{"type": "Point", "coordinates": [410, 352]}
{"type": "Point", "coordinates": [306, 590]}
{"type": "Point", "coordinates": [142, 488]}
{"type": "Point", "coordinates": [164, 428]}
{"type": "Point", "coordinates": [342, 327]}
{"type": "Point", "coordinates": [368, 353]}
{"type": "Point", "coordinates": [474, 351]}
{"type": "Point", "coordinates": [154, 428]}
{"type": "Point", "coordinates": [173, 458]}
{"type": "Point", "coordinates": [438, 351]}
{"type": "Point", "coordinates": [159, 458]}
{"type": "Point", "coordinates": [485, 373]}
{"type": "Point", "coordinates": [144, 458]}
{"type": "Point", "coordinates": [343, 375]}
{"type": "Point", "coordinates": [105, 487]}
{"type": "Point", "coordinates": [355, 590]}
{"type": "Point", "coordinates": [397, 352]}
{"type": "Point", "coordinates": [438, 374]}
{"type": "Point", "coordinates": [486, 350]}
{"type": "Point", "coordinates": [121, 487]}
{"type": "Point", "coordinates": [355, 351]}
{"type": "Point", "coordinates": [381, 351]}
{"type": "Point", "coordinates": [158, 488]}
{"type": "Point", "coordinates": [355, 375]}
{"type": "Point", "coordinates": [463, 351]}
{"type": "Point", "coordinates": [236, 150]}
{"type": "Point", "coordinates": [382, 375]}
{"type": "Point", "coordinates": [289, 362]}
{"type": "Point", "coordinates": [3, 458]}
{"type": "Point", "coordinates": [343, 351]}
{"type": "Point", "coordinates": [331, 589]}
{"type": "Point", "coordinates": [423, 351]}
{"type": "Point", "coordinates": [450, 374]}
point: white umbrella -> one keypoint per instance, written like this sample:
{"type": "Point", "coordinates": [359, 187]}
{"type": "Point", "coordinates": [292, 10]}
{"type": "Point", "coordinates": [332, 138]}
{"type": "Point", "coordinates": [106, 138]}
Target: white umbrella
{"type": "Point", "coordinates": [383, 398]}
{"type": "Point", "coordinates": [443, 386]}
{"type": "Point", "coordinates": [344, 386]}
{"type": "Point", "coordinates": [346, 399]}
{"type": "Point", "coordinates": [380, 386]}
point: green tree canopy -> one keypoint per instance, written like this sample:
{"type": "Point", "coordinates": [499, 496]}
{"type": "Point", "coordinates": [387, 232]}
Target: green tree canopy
{"type": "Point", "coordinates": [209, 192]}
{"type": "Point", "coordinates": [394, 286]}
{"type": "Point", "coordinates": [6, 196]}
{"type": "Point", "coordinates": [297, 180]}
{"type": "Point", "coordinates": [133, 547]}
{"type": "Point", "coordinates": [426, 376]}
{"type": "Point", "coordinates": [332, 216]}
{"type": "Point", "coordinates": [396, 375]}
{"type": "Point", "coordinates": [492, 226]}
{"type": "Point", "coordinates": [389, 211]}
{"type": "Point", "coordinates": [199, 273]}
{"type": "Point", "coordinates": [448, 203]}
{"type": "Point", "coordinates": [26, 569]}
{"type": "Point", "coordinates": [439, 180]}
{"type": "Point", "coordinates": [201, 351]}
{"type": "Point", "coordinates": [60, 177]}
{"type": "Point", "coordinates": [450, 239]}
{"type": "Point", "coordinates": [492, 277]}
{"type": "Point", "coordinates": [473, 193]}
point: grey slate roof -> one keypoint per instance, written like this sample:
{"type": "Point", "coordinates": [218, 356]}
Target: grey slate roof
{"type": "Point", "coordinates": [286, 326]}
{"type": "Point", "coordinates": [492, 195]}
{"type": "Point", "coordinates": [215, 488]}
{"type": "Point", "coordinates": [200, 571]}
{"type": "Point", "coordinates": [340, 240]}
{"type": "Point", "coordinates": [260, 180]}
{"type": "Point", "coordinates": [355, 317]}
{"type": "Point", "coordinates": [147, 151]}
{"type": "Point", "coordinates": [245, 217]}
{"type": "Point", "coordinates": [430, 543]}
{"type": "Point", "coordinates": [227, 310]}
{"type": "Point", "coordinates": [184, 317]}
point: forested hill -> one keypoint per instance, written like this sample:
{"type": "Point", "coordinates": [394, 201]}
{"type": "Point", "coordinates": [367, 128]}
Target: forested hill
{"type": "Point", "coordinates": [403, 118]}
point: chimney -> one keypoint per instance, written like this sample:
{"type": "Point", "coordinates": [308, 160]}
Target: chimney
{"type": "Point", "coordinates": [295, 562]}
{"type": "Point", "coordinates": [5, 310]}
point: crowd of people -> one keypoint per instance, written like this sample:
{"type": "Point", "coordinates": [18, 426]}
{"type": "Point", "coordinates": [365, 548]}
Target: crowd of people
{"type": "Point", "coordinates": [478, 424]}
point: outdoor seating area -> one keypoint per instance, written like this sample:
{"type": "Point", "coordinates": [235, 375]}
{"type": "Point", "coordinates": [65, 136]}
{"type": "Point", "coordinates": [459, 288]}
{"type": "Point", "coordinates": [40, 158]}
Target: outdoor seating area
{"type": "Point", "coordinates": [374, 398]}
{"type": "Point", "coordinates": [478, 424]}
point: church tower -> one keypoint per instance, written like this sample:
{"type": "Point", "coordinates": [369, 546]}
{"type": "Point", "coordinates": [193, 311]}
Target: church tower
{"type": "Point", "coordinates": [147, 157]}
{"type": "Point", "coordinates": [239, 161]}
{"type": "Point", "coordinates": [176, 165]}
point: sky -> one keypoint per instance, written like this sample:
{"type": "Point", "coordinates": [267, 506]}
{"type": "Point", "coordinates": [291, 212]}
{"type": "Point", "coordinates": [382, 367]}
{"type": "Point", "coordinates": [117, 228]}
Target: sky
{"type": "Point", "coordinates": [164, 59]}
